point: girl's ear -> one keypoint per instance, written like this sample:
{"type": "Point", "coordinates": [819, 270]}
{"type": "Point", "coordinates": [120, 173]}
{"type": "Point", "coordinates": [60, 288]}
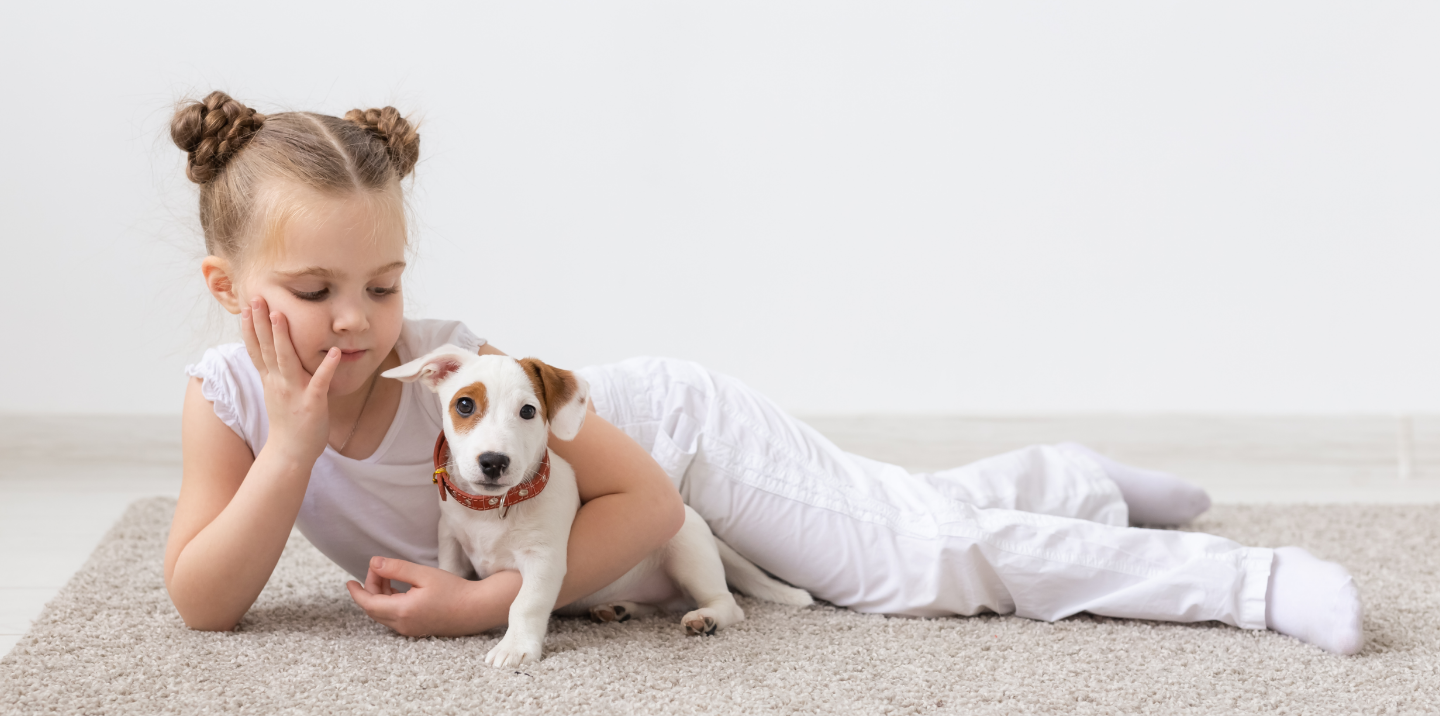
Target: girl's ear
{"type": "Point", "coordinates": [563, 394]}
{"type": "Point", "coordinates": [433, 367]}
{"type": "Point", "coordinates": [220, 282]}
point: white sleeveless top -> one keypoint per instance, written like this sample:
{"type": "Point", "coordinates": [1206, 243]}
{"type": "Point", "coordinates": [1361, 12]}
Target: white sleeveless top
{"type": "Point", "coordinates": [354, 509]}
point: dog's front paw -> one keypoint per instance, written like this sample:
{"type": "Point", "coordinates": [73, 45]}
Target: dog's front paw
{"type": "Point", "coordinates": [514, 650]}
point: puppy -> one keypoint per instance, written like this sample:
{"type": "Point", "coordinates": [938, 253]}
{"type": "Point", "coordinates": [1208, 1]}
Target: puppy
{"type": "Point", "coordinates": [508, 501]}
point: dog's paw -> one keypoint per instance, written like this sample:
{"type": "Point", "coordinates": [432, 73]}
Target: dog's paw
{"type": "Point", "coordinates": [614, 612]}
{"type": "Point", "coordinates": [700, 621]}
{"type": "Point", "coordinates": [514, 651]}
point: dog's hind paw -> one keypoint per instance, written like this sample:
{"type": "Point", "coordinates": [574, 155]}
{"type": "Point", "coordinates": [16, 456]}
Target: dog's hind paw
{"type": "Point", "coordinates": [698, 623]}
{"type": "Point", "coordinates": [620, 611]}
{"type": "Point", "coordinates": [610, 612]}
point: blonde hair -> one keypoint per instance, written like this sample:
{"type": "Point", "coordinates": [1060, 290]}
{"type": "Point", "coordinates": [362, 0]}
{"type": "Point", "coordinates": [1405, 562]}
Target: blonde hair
{"type": "Point", "coordinates": [249, 166]}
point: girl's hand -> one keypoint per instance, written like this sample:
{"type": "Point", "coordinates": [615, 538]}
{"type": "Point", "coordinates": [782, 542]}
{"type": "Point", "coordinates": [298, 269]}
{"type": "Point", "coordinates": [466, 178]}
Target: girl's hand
{"type": "Point", "coordinates": [297, 403]}
{"type": "Point", "coordinates": [438, 604]}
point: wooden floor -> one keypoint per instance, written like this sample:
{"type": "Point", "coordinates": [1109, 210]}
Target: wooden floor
{"type": "Point", "coordinates": [60, 493]}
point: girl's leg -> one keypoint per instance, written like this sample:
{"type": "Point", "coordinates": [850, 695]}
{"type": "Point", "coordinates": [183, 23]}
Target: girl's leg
{"type": "Point", "coordinates": [873, 537]}
{"type": "Point", "coordinates": [1153, 497]}
{"type": "Point", "coordinates": [1045, 479]}
{"type": "Point", "coordinates": [1072, 480]}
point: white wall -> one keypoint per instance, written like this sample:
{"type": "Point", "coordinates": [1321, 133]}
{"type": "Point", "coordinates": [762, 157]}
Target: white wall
{"type": "Point", "coordinates": [926, 207]}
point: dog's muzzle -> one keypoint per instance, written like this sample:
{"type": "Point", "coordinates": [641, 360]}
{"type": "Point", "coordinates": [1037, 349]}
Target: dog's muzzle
{"type": "Point", "coordinates": [524, 491]}
{"type": "Point", "coordinates": [493, 464]}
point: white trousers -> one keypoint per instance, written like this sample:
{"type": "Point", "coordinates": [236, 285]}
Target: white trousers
{"type": "Point", "coordinates": [1040, 531]}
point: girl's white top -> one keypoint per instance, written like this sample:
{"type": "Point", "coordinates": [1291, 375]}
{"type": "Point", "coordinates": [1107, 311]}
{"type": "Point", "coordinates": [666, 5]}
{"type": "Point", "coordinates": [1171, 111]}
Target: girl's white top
{"type": "Point", "coordinates": [382, 505]}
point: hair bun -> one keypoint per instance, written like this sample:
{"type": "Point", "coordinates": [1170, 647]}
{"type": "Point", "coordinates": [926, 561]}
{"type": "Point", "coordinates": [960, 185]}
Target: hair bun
{"type": "Point", "coordinates": [402, 141]}
{"type": "Point", "coordinates": [211, 131]}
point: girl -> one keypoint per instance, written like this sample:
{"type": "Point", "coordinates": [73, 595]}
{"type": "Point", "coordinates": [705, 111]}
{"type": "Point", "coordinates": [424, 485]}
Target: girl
{"type": "Point", "coordinates": [305, 229]}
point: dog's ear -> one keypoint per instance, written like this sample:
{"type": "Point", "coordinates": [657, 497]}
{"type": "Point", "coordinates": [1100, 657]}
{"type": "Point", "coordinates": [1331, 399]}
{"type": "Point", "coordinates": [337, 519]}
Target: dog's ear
{"type": "Point", "coordinates": [563, 394]}
{"type": "Point", "coordinates": [433, 367]}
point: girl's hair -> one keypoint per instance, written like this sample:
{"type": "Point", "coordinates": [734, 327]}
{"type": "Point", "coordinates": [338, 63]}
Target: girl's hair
{"type": "Point", "coordinates": [249, 165]}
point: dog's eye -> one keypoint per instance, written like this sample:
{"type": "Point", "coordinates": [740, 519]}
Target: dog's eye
{"type": "Point", "coordinates": [527, 412]}
{"type": "Point", "coordinates": [465, 407]}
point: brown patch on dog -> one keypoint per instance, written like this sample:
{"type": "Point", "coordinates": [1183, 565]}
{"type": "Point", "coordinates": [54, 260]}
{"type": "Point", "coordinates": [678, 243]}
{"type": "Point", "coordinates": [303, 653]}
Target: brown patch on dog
{"type": "Point", "coordinates": [554, 386]}
{"type": "Point", "coordinates": [476, 392]}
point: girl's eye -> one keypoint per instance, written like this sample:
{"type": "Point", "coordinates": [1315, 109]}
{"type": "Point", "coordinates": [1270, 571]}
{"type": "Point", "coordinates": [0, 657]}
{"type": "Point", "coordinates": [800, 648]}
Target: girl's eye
{"type": "Point", "coordinates": [527, 412]}
{"type": "Point", "coordinates": [381, 292]}
{"type": "Point", "coordinates": [465, 407]}
{"type": "Point", "coordinates": [312, 295]}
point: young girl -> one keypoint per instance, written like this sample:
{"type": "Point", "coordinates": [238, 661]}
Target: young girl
{"type": "Point", "coordinates": [305, 230]}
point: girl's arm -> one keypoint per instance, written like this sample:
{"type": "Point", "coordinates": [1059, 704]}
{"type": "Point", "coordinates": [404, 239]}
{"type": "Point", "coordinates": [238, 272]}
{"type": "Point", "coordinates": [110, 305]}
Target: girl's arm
{"type": "Point", "coordinates": [236, 509]}
{"type": "Point", "coordinates": [630, 509]}
{"type": "Point", "coordinates": [233, 516]}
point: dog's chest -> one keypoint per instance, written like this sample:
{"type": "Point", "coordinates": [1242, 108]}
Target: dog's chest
{"type": "Point", "coordinates": [490, 544]}
{"type": "Point", "coordinates": [532, 529]}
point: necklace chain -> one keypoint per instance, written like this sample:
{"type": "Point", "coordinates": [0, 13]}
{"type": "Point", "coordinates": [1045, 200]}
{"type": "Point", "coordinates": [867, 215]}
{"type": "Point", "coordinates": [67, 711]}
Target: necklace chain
{"type": "Point", "coordinates": [373, 380]}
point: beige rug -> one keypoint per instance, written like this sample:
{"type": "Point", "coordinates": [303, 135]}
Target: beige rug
{"type": "Point", "coordinates": [111, 643]}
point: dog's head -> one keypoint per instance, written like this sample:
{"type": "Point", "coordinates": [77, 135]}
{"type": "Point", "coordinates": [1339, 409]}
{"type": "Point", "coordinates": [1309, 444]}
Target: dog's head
{"type": "Point", "coordinates": [499, 412]}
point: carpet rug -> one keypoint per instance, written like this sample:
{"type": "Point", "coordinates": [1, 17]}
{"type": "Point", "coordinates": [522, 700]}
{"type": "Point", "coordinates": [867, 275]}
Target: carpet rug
{"type": "Point", "coordinates": [111, 643]}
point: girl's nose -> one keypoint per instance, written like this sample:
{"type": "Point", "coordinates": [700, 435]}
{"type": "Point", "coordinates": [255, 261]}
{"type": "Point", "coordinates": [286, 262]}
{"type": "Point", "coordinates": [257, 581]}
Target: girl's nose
{"type": "Point", "coordinates": [350, 317]}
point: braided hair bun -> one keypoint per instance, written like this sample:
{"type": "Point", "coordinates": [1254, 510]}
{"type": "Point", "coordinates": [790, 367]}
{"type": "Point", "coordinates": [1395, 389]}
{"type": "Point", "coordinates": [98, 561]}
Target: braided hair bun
{"type": "Point", "coordinates": [211, 131]}
{"type": "Point", "coordinates": [402, 140]}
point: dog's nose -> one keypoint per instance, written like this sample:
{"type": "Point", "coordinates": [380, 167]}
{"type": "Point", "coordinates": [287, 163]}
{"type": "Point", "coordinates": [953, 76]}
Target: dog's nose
{"type": "Point", "coordinates": [493, 464]}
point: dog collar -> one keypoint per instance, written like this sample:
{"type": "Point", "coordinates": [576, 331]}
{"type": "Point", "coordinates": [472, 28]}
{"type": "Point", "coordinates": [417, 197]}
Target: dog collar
{"type": "Point", "coordinates": [519, 493]}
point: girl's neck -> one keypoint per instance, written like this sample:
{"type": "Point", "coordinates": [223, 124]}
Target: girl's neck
{"type": "Point", "coordinates": [360, 425]}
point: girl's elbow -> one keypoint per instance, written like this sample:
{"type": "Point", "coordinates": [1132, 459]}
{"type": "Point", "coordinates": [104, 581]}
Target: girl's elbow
{"type": "Point", "coordinates": [196, 620]}
{"type": "Point", "coordinates": [218, 625]}
{"type": "Point", "coordinates": [205, 622]}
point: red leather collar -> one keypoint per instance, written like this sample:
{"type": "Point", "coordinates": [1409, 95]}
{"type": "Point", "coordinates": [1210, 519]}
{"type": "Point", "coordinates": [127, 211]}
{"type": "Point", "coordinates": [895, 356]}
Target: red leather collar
{"type": "Point", "coordinates": [519, 493]}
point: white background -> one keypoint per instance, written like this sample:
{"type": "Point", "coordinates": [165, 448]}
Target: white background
{"type": "Point", "coordinates": [1006, 207]}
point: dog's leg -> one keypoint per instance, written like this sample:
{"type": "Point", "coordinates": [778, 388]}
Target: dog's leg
{"type": "Point", "coordinates": [541, 572]}
{"type": "Point", "coordinates": [693, 561]}
{"type": "Point", "coordinates": [452, 555]}
{"type": "Point", "coordinates": [620, 611]}
{"type": "Point", "coordinates": [745, 577]}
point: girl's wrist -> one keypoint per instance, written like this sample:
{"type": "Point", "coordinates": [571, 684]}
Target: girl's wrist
{"type": "Point", "coordinates": [487, 602]}
{"type": "Point", "coordinates": [291, 456]}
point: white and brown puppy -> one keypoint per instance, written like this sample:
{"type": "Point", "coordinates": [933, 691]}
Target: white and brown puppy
{"type": "Point", "coordinates": [499, 414]}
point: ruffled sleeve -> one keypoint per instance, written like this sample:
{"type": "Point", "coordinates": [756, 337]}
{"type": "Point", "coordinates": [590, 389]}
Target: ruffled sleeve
{"type": "Point", "coordinates": [222, 387]}
{"type": "Point", "coordinates": [423, 335]}
{"type": "Point", "coordinates": [465, 339]}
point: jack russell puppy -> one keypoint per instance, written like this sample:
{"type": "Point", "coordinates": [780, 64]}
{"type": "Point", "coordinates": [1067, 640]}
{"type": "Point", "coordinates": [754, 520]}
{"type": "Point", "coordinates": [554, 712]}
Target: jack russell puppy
{"type": "Point", "coordinates": [514, 501]}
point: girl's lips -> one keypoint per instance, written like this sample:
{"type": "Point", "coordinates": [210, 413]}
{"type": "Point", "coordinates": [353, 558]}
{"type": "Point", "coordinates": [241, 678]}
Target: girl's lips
{"type": "Point", "coordinates": [346, 356]}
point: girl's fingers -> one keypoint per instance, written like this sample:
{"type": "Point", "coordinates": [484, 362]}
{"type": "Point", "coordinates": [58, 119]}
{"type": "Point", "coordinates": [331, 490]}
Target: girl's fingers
{"type": "Point", "coordinates": [376, 584]}
{"type": "Point", "coordinates": [378, 606]}
{"type": "Point", "coordinates": [378, 581]}
{"type": "Point", "coordinates": [320, 382]}
{"type": "Point", "coordinates": [285, 357]}
{"type": "Point", "coordinates": [260, 311]}
{"type": "Point", "coordinates": [252, 344]}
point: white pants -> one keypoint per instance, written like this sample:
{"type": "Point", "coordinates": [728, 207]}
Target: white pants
{"type": "Point", "coordinates": [1040, 532]}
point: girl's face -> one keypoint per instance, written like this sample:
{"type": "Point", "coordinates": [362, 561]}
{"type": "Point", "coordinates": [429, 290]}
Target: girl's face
{"type": "Point", "coordinates": [337, 281]}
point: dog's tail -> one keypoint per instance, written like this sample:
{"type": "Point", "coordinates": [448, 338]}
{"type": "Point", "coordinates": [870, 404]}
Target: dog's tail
{"type": "Point", "coordinates": [754, 582]}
